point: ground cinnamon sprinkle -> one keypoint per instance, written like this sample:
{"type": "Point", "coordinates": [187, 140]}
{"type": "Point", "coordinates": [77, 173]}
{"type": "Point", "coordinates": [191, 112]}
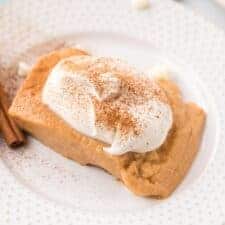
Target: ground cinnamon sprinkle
{"type": "Point", "coordinates": [114, 117]}
{"type": "Point", "coordinates": [123, 88]}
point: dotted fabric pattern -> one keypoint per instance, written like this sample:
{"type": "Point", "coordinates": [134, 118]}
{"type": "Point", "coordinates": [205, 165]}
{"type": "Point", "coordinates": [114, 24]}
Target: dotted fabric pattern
{"type": "Point", "coordinates": [169, 27]}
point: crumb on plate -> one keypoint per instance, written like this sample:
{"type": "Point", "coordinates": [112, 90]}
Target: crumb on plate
{"type": "Point", "coordinates": [23, 69]}
{"type": "Point", "coordinates": [140, 4]}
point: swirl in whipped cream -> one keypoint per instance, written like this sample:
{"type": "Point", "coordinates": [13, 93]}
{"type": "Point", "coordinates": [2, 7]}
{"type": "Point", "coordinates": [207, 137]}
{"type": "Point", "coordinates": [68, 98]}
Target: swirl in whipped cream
{"type": "Point", "coordinates": [106, 99]}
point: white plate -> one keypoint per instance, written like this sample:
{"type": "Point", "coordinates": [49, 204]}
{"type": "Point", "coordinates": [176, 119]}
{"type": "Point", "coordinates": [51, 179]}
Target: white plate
{"type": "Point", "coordinates": [38, 186]}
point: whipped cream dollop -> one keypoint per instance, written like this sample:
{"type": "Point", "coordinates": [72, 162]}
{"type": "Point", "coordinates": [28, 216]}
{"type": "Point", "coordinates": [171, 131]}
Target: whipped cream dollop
{"type": "Point", "coordinates": [107, 100]}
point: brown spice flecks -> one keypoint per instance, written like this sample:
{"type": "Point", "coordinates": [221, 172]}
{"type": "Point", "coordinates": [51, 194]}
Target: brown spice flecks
{"type": "Point", "coordinates": [133, 89]}
{"type": "Point", "coordinates": [9, 73]}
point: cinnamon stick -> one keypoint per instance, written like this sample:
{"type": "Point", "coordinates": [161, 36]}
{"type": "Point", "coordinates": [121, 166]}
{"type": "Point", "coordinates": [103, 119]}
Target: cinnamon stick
{"type": "Point", "coordinates": [11, 133]}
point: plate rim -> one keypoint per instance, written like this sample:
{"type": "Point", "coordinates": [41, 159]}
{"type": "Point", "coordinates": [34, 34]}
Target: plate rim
{"type": "Point", "coordinates": [216, 30]}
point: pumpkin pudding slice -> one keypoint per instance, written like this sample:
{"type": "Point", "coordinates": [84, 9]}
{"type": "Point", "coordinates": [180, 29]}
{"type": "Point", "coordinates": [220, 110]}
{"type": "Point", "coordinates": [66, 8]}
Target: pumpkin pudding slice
{"type": "Point", "coordinates": [100, 111]}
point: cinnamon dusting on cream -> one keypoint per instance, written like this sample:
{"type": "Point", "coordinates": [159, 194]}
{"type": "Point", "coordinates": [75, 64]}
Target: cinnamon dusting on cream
{"type": "Point", "coordinates": [114, 112]}
{"type": "Point", "coordinates": [111, 101]}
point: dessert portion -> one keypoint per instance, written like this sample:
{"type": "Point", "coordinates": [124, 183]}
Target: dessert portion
{"type": "Point", "coordinates": [101, 111]}
{"type": "Point", "coordinates": [105, 99]}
